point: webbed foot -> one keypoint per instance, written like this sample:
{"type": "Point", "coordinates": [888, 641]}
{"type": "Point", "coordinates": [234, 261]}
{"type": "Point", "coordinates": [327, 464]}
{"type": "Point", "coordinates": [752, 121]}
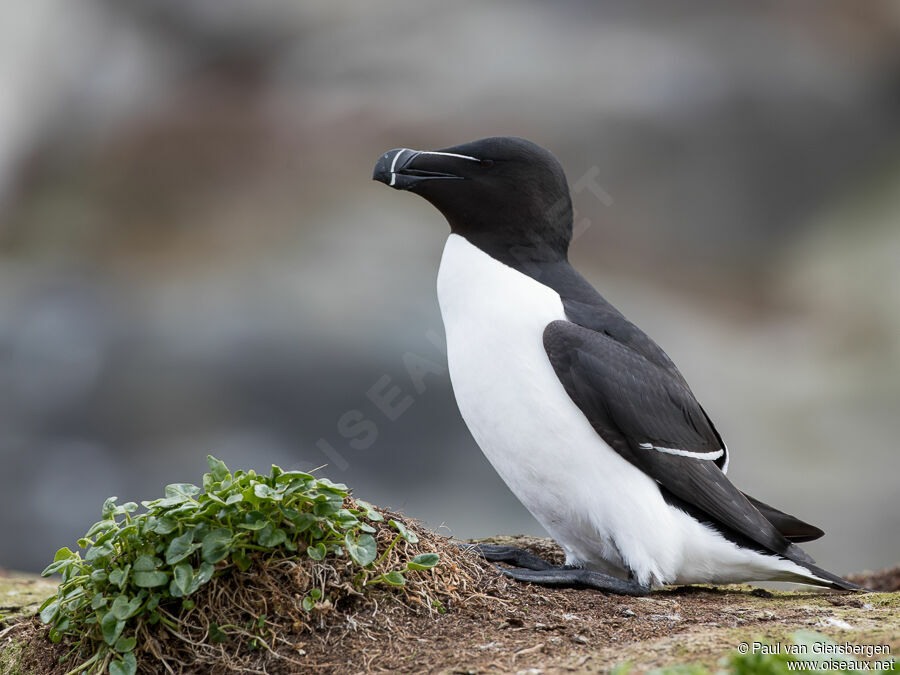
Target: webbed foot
{"type": "Point", "coordinates": [577, 578]}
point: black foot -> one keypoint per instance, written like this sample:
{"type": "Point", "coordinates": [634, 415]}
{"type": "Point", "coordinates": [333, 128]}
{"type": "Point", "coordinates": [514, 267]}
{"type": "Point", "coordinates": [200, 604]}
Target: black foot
{"type": "Point", "coordinates": [578, 578]}
{"type": "Point", "coordinates": [512, 555]}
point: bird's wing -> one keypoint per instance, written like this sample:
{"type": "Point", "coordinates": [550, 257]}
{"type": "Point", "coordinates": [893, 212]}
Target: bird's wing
{"type": "Point", "coordinates": [652, 419]}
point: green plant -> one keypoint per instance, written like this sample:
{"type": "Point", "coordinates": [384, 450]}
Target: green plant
{"type": "Point", "coordinates": [140, 569]}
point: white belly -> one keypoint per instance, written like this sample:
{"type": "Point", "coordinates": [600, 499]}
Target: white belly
{"type": "Point", "coordinates": [605, 513]}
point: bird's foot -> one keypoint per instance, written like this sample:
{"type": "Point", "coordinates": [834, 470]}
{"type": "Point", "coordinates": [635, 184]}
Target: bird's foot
{"type": "Point", "coordinates": [536, 570]}
{"type": "Point", "coordinates": [510, 554]}
{"type": "Point", "coordinates": [576, 577]}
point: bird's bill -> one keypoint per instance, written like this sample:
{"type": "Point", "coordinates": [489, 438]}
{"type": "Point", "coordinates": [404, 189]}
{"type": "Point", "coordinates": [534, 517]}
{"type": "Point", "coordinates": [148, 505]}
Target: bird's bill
{"type": "Point", "coordinates": [403, 169]}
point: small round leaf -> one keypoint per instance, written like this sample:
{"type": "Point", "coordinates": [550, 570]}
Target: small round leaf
{"type": "Point", "coordinates": [363, 550]}
{"type": "Point", "coordinates": [423, 561]}
{"type": "Point", "coordinates": [317, 552]}
{"type": "Point", "coordinates": [395, 578]}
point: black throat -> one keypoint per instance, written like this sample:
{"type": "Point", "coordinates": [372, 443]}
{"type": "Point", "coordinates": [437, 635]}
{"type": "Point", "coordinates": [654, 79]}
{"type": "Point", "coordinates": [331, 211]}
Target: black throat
{"type": "Point", "coordinates": [525, 241]}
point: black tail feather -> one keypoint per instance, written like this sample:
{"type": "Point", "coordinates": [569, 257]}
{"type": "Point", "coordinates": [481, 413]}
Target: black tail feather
{"type": "Point", "coordinates": [792, 528]}
{"type": "Point", "coordinates": [828, 579]}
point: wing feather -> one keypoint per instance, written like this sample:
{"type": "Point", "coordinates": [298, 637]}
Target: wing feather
{"type": "Point", "coordinates": [638, 406]}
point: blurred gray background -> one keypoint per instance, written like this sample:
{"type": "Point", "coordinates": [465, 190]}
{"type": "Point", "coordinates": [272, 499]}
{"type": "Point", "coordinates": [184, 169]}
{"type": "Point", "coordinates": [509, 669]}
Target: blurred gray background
{"type": "Point", "coordinates": [193, 258]}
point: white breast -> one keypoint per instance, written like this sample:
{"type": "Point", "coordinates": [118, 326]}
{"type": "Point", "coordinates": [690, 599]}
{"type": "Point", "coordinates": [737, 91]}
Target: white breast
{"type": "Point", "coordinates": [605, 513]}
{"type": "Point", "coordinates": [533, 434]}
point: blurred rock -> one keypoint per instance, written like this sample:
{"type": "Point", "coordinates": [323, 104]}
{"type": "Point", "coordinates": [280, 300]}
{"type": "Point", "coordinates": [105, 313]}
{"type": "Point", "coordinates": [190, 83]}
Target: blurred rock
{"type": "Point", "coordinates": [193, 258]}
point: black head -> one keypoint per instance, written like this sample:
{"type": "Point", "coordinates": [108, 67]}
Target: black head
{"type": "Point", "coordinates": [506, 195]}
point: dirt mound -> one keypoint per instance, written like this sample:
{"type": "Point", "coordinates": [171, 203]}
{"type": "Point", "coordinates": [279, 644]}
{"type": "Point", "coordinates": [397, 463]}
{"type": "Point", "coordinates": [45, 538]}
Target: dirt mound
{"type": "Point", "coordinates": [256, 620]}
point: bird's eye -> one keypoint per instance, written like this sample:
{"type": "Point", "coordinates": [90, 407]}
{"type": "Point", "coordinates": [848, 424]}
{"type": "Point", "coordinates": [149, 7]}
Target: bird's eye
{"type": "Point", "coordinates": [486, 162]}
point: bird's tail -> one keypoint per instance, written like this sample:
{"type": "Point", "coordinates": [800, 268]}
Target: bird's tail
{"type": "Point", "coordinates": [822, 577]}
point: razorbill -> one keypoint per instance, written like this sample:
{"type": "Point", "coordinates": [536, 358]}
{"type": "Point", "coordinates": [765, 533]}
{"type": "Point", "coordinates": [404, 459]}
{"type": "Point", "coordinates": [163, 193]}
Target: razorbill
{"type": "Point", "coordinates": [584, 417]}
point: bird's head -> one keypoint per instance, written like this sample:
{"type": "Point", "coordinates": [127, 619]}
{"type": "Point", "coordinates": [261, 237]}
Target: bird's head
{"type": "Point", "coordinates": [506, 195]}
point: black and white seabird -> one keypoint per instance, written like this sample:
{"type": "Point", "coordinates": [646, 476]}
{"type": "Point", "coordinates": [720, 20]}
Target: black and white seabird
{"type": "Point", "coordinates": [584, 417]}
